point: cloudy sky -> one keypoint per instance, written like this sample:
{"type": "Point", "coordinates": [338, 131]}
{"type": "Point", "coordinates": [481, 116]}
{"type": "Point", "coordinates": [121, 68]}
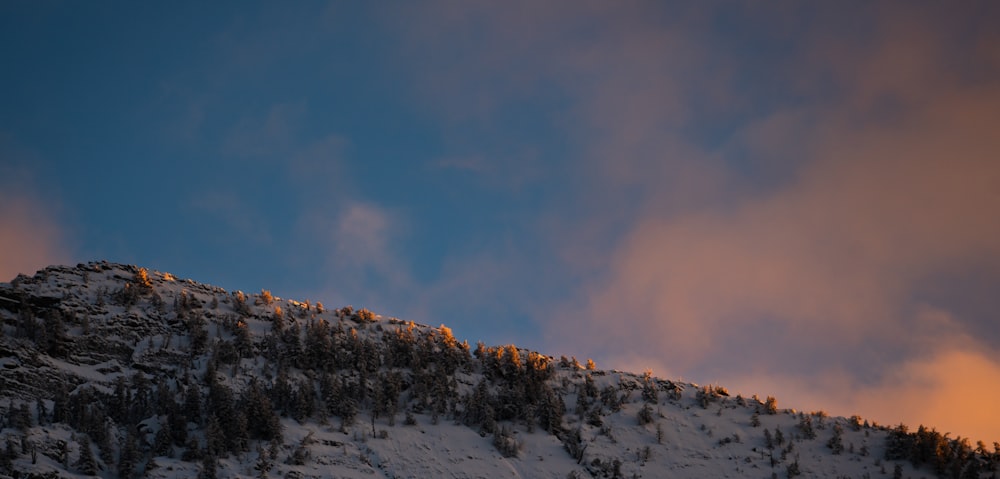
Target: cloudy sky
{"type": "Point", "coordinates": [795, 199]}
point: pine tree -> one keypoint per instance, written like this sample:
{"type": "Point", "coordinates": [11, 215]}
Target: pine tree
{"type": "Point", "coordinates": [86, 463]}
{"type": "Point", "coordinates": [209, 467]}
{"type": "Point", "coordinates": [504, 441]}
{"type": "Point", "coordinates": [215, 437]}
{"type": "Point", "coordinates": [645, 415]}
{"type": "Point", "coordinates": [836, 442]}
{"type": "Point", "coordinates": [806, 427]}
{"type": "Point", "coordinates": [163, 441]}
{"type": "Point", "coordinates": [178, 427]}
{"type": "Point", "coordinates": [192, 404]}
{"type": "Point", "coordinates": [305, 400]}
{"type": "Point", "coordinates": [793, 469]}
{"type": "Point", "coordinates": [104, 444]}
{"type": "Point", "coordinates": [60, 402]}
{"type": "Point", "coordinates": [264, 462]}
{"type": "Point", "coordinates": [191, 450]}
{"type": "Point", "coordinates": [128, 456]}
{"type": "Point", "coordinates": [20, 417]}
{"type": "Point", "coordinates": [141, 280]}
{"type": "Point", "coordinates": [771, 405]}
{"type": "Point", "coordinates": [7, 456]}
{"type": "Point", "coordinates": [262, 422]}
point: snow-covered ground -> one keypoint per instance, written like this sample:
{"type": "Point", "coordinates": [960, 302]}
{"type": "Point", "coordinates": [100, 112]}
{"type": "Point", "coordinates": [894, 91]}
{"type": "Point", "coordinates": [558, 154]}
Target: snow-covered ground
{"type": "Point", "coordinates": [613, 424]}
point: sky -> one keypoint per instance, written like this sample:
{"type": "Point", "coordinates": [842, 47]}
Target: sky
{"type": "Point", "coordinates": [795, 199]}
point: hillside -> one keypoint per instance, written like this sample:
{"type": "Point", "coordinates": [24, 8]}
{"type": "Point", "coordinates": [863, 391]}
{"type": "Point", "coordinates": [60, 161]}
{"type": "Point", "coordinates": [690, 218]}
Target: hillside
{"type": "Point", "coordinates": [109, 370]}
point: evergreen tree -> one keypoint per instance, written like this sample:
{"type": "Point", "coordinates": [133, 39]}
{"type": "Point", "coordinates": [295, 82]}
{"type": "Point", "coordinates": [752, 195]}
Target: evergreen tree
{"type": "Point", "coordinates": [85, 463]}
{"type": "Point", "coordinates": [215, 437]}
{"type": "Point", "coordinates": [645, 415]}
{"type": "Point", "coordinates": [836, 443]}
{"type": "Point", "coordinates": [504, 441]}
{"type": "Point", "coordinates": [305, 400]}
{"type": "Point", "coordinates": [650, 393]}
{"type": "Point", "coordinates": [771, 405]}
{"type": "Point", "coordinates": [7, 456]}
{"type": "Point", "coordinates": [281, 393]}
{"type": "Point", "coordinates": [551, 411]}
{"type": "Point", "coordinates": [128, 457]}
{"type": "Point", "coordinates": [60, 402]}
{"type": "Point", "coordinates": [163, 441]}
{"type": "Point", "coordinates": [793, 469]}
{"type": "Point", "coordinates": [262, 422]}
{"type": "Point", "coordinates": [264, 463]}
{"type": "Point", "coordinates": [191, 450]}
{"type": "Point", "coordinates": [20, 417]}
{"type": "Point", "coordinates": [178, 427]}
{"type": "Point", "coordinates": [209, 467]}
{"type": "Point", "coordinates": [242, 342]}
{"type": "Point", "coordinates": [104, 447]}
{"type": "Point", "coordinates": [317, 345]}
{"type": "Point", "coordinates": [806, 427]}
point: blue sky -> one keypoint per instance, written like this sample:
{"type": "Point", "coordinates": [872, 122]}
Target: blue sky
{"type": "Point", "coordinates": [793, 199]}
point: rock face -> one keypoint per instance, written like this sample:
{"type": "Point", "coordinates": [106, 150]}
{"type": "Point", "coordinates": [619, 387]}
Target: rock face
{"type": "Point", "coordinates": [111, 370]}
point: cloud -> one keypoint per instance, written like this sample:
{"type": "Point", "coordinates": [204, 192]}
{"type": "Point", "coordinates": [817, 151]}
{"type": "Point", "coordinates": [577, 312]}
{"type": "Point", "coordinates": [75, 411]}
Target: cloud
{"type": "Point", "coordinates": [507, 170]}
{"type": "Point", "coordinates": [361, 237]}
{"type": "Point", "coordinates": [821, 276]}
{"type": "Point", "coordinates": [230, 211]}
{"type": "Point", "coordinates": [950, 390]}
{"type": "Point", "coordinates": [270, 135]}
{"type": "Point", "coordinates": [30, 239]}
{"type": "Point", "coordinates": [358, 245]}
{"type": "Point", "coordinates": [319, 161]}
{"type": "Point", "coordinates": [473, 163]}
{"type": "Point", "coordinates": [752, 194]}
{"type": "Point", "coordinates": [32, 236]}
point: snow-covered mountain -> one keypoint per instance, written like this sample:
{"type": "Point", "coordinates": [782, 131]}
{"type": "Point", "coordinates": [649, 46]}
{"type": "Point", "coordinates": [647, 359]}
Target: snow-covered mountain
{"type": "Point", "coordinates": [110, 370]}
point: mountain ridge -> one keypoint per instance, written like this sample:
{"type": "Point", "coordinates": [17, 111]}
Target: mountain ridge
{"type": "Point", "coordinates": [112, 370]}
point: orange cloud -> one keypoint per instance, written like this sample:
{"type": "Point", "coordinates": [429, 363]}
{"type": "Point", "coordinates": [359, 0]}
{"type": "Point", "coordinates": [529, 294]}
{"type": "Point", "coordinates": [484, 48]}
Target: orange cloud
{"type": "Point", "coordinates": [951, 390]}
{"type": "Point", "coordinates": [890, 183]}
{"type": "Point", "coordinates": [30, 239]}
{"type": "Point", "coordinates": [872, 172]}
{"type": "Point", "coordinates": [822, 272]}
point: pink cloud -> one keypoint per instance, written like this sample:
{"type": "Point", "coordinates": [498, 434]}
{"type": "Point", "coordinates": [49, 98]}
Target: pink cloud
{"type": "Point", "coordinates": [891, 184]}
{"type": "Point", "coordinates": [880, 176]}
{"type": "Point", "coordinates": [31, 238]}
{"type": "Point", "coordinates": [824, 267]}
{"type": "Point", "coordinates": [950, 390]}
{"type": "Point", "coordinates": [31, 235]}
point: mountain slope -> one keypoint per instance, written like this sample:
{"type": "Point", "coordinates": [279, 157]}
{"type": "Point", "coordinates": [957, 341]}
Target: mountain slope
{"type": "Point", "coordinates": [113, 371]}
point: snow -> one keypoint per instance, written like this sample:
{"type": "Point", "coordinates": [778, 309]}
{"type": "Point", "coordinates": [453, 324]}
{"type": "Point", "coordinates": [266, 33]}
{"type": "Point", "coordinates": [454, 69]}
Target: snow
{"type": "Point", "coordinates": [684, 439]}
